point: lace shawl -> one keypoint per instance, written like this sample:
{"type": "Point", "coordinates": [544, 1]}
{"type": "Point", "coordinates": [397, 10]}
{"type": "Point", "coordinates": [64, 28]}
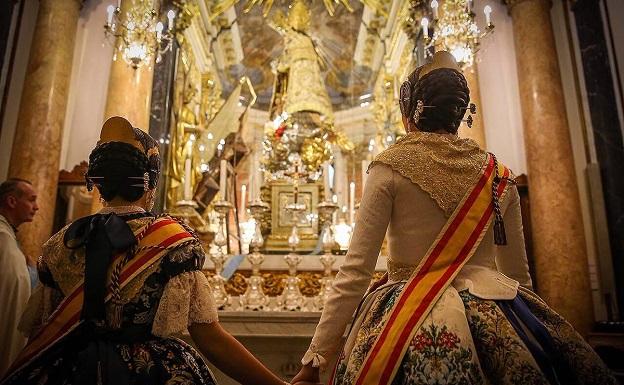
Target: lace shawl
{"type": "Point", "coordinates": [443, 165]}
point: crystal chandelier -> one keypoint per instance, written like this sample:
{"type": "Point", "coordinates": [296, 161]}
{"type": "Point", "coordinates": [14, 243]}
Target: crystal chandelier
{"type": "Point", "coordinates": [451, 27]}
{"type": "Point", "coordinates": [138, 33]}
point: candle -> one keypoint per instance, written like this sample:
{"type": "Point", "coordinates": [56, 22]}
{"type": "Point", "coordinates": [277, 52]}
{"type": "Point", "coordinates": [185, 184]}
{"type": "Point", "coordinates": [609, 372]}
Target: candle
{"type": "Point", "coordinates": [425, 24]}
{"type": "Point", "coordinates": [468, 5]}
{"type": "Point", "coordinates": [326, 180]}
{"type": "Point", "coordinates": [222, 179]}
{"type": "Point", "coordinates": [170, 16]}
{"type": "Point", "coordinates": [487, 10]}
{"type": "Point", "coordinates": [159, 29]}
{"type": "Point", "coordinates": [364, 174]}
{"type": "Point", "coordinates": [187, 179]}
{"type": "Point", "coordinates": [243, 203]}
{"type": "Point", "coordinates": [434, 8]}
{"type": "Point", "coordinates": [109, 11]}
{"type": "Point", "coordinates": [352, 203]}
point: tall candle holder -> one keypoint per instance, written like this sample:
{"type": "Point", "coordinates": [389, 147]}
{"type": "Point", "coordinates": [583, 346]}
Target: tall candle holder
{"type": "Point", "coordinates": [254, 298]}
{"type": "Point", "coordinates": [222, 299]}
{"type": "Point", "coordinates": [326, 210]}
{"type": "Point", "coordinates": [292, 299]}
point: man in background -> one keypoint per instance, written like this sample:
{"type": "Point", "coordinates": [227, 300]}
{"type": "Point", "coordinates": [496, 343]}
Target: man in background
{"type": "Point", "coordinates": [18, 204]}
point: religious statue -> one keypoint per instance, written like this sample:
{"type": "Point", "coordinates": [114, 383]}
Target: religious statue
{"type": "Point", "coordinates": [300, 111]}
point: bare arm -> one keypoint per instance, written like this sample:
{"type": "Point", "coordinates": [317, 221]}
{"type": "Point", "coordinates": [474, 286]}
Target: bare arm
{"type": "Point", "coordinates": [230, 356]}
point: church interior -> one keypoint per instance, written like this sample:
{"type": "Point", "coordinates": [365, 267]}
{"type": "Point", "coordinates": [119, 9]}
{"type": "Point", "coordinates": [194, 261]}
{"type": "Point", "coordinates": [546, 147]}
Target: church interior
{"type": "Point", "coordinates": [269, 113]}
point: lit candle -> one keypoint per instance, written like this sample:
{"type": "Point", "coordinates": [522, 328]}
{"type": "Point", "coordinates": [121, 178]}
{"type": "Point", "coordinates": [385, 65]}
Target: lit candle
{"type": "Point", "coordinates": [159, 29]}
{"type": "Point", "coordinates": [326, 180]}
{"type": "Point", "coordinates": [243, 202]}
{"type": "Point", "coordinates": [425, 24]}
{"type": "Point", "coordinates": [222, 179]}
{"type": "Point", "coordinates": [187, 179]}
{"type": "Point", "coordinates": [109, 11]}
{"type": "Point", "coordinates": [364, 174]}
{"type": "Point", "coordinates": [434, 8]}
{"type": "Point", "coordinates": [352, 203]}
{"type": "Point", "coordinates": [170, 16]}
{"type": "Point", "coordinates": [487, 10]}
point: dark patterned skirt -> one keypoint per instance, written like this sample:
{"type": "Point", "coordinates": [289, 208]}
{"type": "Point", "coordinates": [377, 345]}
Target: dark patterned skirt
{"type": "Point", "coordinates": [151, 362]}
{"type": "Point", "coordinates": [468, 340]}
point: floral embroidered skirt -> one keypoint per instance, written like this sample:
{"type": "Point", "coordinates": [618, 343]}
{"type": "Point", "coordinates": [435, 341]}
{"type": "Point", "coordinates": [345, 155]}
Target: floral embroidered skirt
{"type": "Point", "coordinates": [468, 340]}
{"type": "Point", "coordinates": [153, 362]}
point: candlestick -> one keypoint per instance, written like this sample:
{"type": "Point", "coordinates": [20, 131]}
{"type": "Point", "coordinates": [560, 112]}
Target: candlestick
{"type": "Point", "coordinates": [222, 180]}
{"type": "Point", "coordinates": [352, 203]}
{"type": "Point", "coordinates": [187, 180]}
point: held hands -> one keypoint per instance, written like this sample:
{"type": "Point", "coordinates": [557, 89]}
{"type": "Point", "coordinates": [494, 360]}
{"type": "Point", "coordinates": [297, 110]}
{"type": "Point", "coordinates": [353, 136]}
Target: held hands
{"type": "Point", "coordinates": [308, 375]}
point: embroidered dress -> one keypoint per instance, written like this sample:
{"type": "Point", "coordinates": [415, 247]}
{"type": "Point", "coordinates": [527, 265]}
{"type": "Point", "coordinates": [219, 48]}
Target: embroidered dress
{"type": "Point", "coordinates": [158, 304]}
{"type": "Point", "coordinates": [486, 327]}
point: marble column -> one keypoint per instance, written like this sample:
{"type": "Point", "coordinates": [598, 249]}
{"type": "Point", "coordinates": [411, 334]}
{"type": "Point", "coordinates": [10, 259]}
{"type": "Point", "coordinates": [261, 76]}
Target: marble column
{"type": "Point", "coordinates": [38, 134]}
{"type": "Point", "coordinates": [477, 131]}
{"type": "Point", "coordinates": [558, 239]}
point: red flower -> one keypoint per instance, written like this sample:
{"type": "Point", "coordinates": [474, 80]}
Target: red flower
{"type": "Point", "coordinates": [449, 340]}
{"type": "Point", "coordinates": [421, 341]}
{"type": "Point", "coordinates": [280, 131]}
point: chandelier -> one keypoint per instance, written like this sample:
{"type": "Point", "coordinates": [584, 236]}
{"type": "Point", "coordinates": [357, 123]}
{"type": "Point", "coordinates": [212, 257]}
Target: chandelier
{"type": "Point", "coordinates": [451, 27]}
{"type": "Point", "coordinates": [138, 33]}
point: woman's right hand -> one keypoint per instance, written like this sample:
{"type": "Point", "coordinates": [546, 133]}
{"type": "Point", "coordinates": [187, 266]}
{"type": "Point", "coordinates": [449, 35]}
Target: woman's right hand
{"type": "Point", "coordinates": [307, 375]}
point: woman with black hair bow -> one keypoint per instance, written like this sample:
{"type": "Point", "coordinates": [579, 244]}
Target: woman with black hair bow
{"type": "Point", "coordinates": [117, 287]}
{"type": "Point", "coordinates": [456, 307]}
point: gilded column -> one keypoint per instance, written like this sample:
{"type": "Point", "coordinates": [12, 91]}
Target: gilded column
{"type": "Point", "coordinates": [558, 239]}
{"type": "Point", "coordinates": [38, 134]}
{"type": "Point", "coordinates": [129, 90]}
{"type": "Point", "coordinates": [477, 131]}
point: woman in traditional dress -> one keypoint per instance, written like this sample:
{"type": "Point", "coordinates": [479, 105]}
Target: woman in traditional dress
{"type": "Point", "coordinates": [118, 285]}
{"type": "Point", "coordinates": [457, 306]}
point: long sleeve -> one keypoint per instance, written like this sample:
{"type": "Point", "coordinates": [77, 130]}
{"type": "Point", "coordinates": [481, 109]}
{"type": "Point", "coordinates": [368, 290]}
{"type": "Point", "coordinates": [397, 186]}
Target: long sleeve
{"type": "Point", "coordinates": [355, 274]}
{"type": "Point", "coordinates": [511, 259]}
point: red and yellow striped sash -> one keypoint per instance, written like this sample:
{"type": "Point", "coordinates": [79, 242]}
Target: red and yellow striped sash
{"type": "Point", "coordinates": [154, 241]}
{"type": "Point", "coordinates": [453, 247]}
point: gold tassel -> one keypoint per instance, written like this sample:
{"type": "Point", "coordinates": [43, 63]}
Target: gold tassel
{"type": "Point", "coordinates": [116, 315]}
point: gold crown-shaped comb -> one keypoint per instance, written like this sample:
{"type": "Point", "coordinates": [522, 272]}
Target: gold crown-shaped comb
{"type": "Point", "coordinates": [118, 129]}
{"type": "Point", "coordinates": [441, 59]}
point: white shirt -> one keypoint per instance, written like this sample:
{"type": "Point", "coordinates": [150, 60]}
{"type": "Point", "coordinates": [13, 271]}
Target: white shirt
{"type": "Point", "coordinates": [14, 294]}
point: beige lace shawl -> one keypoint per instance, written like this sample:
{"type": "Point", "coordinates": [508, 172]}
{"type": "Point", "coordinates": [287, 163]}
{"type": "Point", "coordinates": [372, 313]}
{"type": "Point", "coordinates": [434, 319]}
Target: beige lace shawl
{"type": "Point", "coordinates": [443, 165]}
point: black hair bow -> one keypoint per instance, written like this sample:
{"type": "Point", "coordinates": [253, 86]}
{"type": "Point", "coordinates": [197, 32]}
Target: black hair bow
{"type": "Point", "coordinates": [103, 236]}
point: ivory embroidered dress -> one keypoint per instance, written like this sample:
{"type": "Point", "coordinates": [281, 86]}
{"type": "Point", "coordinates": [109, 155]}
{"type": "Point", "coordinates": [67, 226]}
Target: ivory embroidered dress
{"type": "Point", "coordinates": [487, 326]}
{"type": "Point", "coordinates": [159, 303]}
